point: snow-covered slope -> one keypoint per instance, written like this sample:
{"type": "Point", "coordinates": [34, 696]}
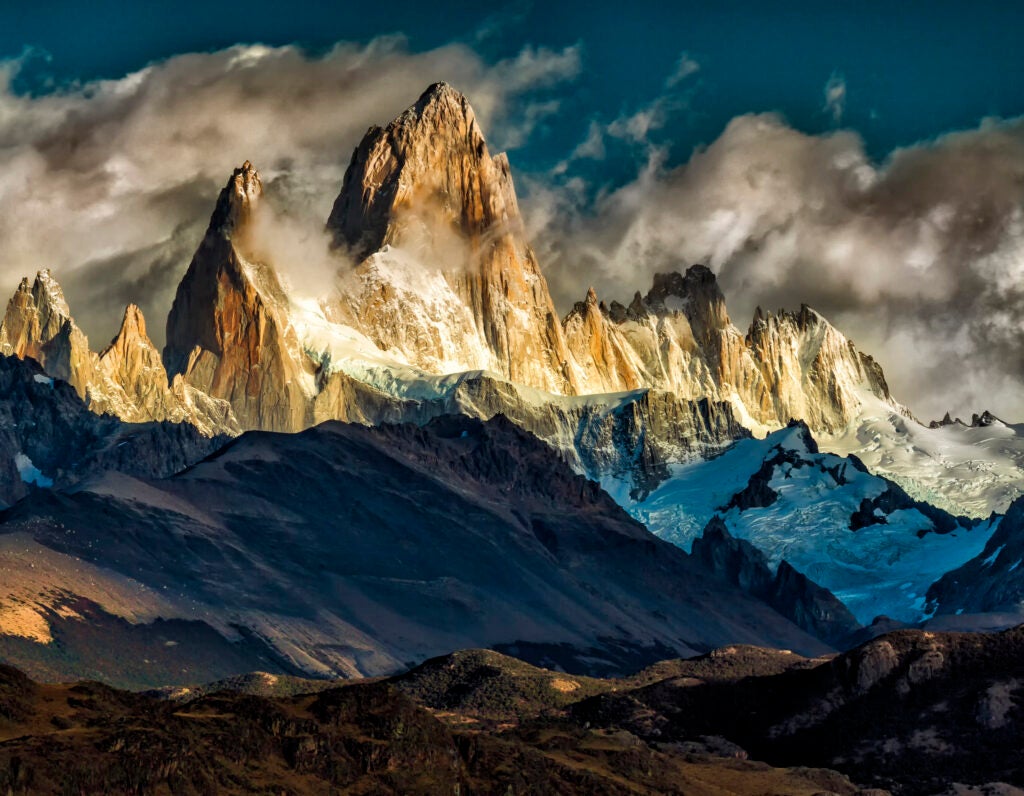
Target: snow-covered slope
{"type": "Point", "coordinates": [965, 469]}
{"type": "Point", "coordinates": [854, 533]}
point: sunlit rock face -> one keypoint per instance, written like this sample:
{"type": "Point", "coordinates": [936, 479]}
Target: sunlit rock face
{"type": "Point", "coordinates": [38, 324]}
{"type": "Point", "coordinates": [425, 196]}
{"type": "Point", "coordinates": [679, 338]}
{"type": "Point", "coordinates": [126, 380]}
{"type": "Point", "coordinates": [228, 333]}
{"type": "Point", "coordinates": [439, 305]}
{"type": "Point", "coordinates": [136, 387]}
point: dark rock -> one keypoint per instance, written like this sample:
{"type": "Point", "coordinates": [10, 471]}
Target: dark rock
{"type": "Point", "coordinates": [788, 591]}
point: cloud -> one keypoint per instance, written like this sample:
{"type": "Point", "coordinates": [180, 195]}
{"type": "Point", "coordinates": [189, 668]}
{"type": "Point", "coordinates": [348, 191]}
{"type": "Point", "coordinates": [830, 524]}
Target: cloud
{"type": "Point", "coordinates": [637, 127]}
{"type": "Point", "coordinates": [591, 147]}
{"type": "Point", "coordinates": [919, 259]}
{"type": "Point", "coordinates": [111, 183]}
{"type": "Point", "coordinates": [835, 97]}
{"type": "Point", "coordinates": [685, 67]}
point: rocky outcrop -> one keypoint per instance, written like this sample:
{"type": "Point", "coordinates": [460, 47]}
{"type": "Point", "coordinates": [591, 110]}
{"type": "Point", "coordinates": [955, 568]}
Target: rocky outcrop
{"type": "Point", "coordinates": [132, 361]}
{"type": "Point", "coordinates": [651, 343]}
{"type": "Point", "coordinates": [791, 593]}
{"type": "Point", "coordinates": [48, 438]}
{"type": "Point", "coordinates": [127, 380]}
{"type": "Point", "coordinates": [606, 361]}
{"type": "Point", "coordinates": [38, 324]}
{"type": "Point", "coordinates": [631, 438]}
{"type": "Point", "coordinates": [228, 333]}
{"type": "Point", "coordinates": [810, 370]}
{"type": "Point", "coordinates": [679, 338]}
{"type": "Point", "coordinates": [984, 420]}
{"type": "Point", "coordinates": [911, 712]}
{"type": "Point", "coordinates": [137, 389]}
{"type": "Point", "coordinates": [992, 581]}
{"type": "Point", "coordinates": [427, 187]}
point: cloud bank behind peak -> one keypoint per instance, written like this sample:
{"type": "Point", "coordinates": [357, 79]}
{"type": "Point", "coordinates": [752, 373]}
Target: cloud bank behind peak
{"type": "Point", "coordinates": [111, 183]}
{"type": "Point", "coordinates": [919, 259]}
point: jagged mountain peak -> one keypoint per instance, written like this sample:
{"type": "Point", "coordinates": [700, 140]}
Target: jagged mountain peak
{"type": "Point", "coordinates": [131, 335]}
{"type": "Point", "coordinates": [696, 293]}
{"type": "Point", "coordinates": [431, 160]}
{"type": "Point", "coordinates": [423, 195]}
{"type": "Point", "coordinates": [442, 96]}
{"type": "Point", "coordinates": [133, 325]}
{"type": "Point", "coordinates": [45, 297]}
{"type": "Point", "coordinates": [46, 291]}
{"type": "Point", "coordinates": [805, 318]}
{"type": "Point", "coordinates": [237, 199]}
{"type": "Point", "coordinates": [697, 279]}
{"type": "Point", "coordinates": [38, 324]}
{"type": "Point", "coordinates": [947, 420]}
{"type": "Point", "coordinates": [983, 420]}
{"type": "Point", "coordinates": [228, 333]}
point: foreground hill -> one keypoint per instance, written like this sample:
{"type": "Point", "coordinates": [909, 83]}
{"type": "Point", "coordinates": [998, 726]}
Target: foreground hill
{"type": "Point", "coordinates": [908, 713]}
{"type": "Point", "coordinates": [347, 550]}
{"type": "Point", "coordinates": [911, 711]}
{"type": "Point", "coordinates": [360, 738]}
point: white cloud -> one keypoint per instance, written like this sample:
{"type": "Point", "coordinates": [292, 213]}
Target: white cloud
{"type": "Point", "coordinates": [835, 97]}
{"type": "Point", "coordinates": [685, 67]}
{"type": "Point", "coordinates": [908, 256]}
{"type": "Point", "coordinates": [111, 183]}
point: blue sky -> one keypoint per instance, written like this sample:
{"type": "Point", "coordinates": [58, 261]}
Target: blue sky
{"type": "Point", "coordinates": [912, 70]}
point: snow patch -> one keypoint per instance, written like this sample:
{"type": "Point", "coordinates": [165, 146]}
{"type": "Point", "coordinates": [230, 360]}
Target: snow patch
{"type": "Point", "coordinates": [962, 469]}
{"type": "Point", "coordinates": [29, 473]}
{"type": "Point", "coordinates": [992, 558]}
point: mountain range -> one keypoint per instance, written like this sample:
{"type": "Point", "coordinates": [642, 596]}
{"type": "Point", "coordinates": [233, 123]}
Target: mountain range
{"type": "Point", "coordinates": [418, 455]}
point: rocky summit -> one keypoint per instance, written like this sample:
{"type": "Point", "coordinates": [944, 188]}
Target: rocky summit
{"type": "Point", "coordinates": [435, 271]}
{"type": "Point", "coordinates": [424, 196]}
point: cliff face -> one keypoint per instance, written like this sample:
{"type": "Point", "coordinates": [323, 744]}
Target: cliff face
{"type": "Point", "coordinates": [447, 280]}
{"type": "Point", "coordinates": [791, 593]}
{"type": "Point", "coordinates": [127, 380]}
{"type": "Point", "coordinates": [810, 370]}
{"type": "Point", "coordinates": [679, 338]}
{"type": "Point", "coordinates": [228, 333]}
{"type": "Point", "coordinates": [38, 324]}
{"type": "Point", "coordinates": [443, 283]}
{"type": "Point", "coordinates": [427, 186]}
{"type": "Point", "coordinates": [136, 389]}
